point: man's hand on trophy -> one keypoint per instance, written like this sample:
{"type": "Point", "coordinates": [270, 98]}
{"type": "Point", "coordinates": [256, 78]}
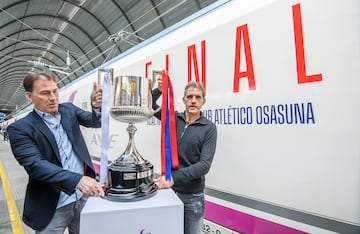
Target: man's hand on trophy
{"type": "Point", "coordinates": [96, 97]}
{"type": "Point", "coordinates": [90, 187]}
{"type": "Point", "coordinates": [162, 183]}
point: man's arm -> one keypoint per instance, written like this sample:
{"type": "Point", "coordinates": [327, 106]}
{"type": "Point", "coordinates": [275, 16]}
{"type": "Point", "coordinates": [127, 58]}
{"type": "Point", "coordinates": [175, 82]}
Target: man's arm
{"type": "Point", "coordinates": [27, 153]}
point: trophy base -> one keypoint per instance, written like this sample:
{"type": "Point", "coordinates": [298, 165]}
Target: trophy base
{"type": "Point", "coordinates": [130, 181]}
{"type": "Point", "coordinates": [130, 197]}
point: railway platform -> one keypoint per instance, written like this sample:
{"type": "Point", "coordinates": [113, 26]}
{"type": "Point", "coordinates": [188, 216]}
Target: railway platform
{"type": "Point", "coordinates": [12, 192]}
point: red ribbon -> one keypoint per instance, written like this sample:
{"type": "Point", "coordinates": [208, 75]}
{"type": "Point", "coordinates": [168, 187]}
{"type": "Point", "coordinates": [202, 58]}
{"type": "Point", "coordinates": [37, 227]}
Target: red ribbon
{"type": "Point", "coordinates": [169, 155]}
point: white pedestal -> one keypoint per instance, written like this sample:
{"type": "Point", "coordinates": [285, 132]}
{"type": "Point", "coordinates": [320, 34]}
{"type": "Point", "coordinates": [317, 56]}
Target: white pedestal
{"type": "Point", "coordinates": [161, 214]}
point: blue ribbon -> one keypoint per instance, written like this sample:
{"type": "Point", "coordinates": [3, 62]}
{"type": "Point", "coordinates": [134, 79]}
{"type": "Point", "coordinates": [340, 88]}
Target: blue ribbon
{"type": "Point", "coordinates": [167, 145]}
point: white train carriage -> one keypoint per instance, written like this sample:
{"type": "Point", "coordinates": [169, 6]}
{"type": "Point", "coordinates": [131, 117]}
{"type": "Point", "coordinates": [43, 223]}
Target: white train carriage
{"type": "Point", "coordinates": [282, 87]}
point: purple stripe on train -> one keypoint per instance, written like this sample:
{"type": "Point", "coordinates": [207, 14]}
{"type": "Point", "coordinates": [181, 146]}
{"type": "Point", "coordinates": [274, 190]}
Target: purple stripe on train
{"type": "Point", "coordinates": [72, 97]}
{"type": "Point", "coordinates": [244, 223]}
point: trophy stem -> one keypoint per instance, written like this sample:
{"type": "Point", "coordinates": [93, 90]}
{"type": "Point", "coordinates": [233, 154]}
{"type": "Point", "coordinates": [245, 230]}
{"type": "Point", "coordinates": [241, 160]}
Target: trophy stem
{"type": "Point", "coordinates": [131, 154]}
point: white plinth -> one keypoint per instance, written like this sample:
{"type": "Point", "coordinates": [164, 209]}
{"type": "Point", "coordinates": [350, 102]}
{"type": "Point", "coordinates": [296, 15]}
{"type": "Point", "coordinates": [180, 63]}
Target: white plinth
{"type": "Point", "coordinates": [161, 214]}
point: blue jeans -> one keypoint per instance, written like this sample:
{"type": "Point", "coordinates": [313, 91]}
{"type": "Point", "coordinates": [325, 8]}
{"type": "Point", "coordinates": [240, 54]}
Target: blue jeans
{"type": "Point", "coordinates": [66, 217]}
{"type": "Point", "coordinates": [193, 212]}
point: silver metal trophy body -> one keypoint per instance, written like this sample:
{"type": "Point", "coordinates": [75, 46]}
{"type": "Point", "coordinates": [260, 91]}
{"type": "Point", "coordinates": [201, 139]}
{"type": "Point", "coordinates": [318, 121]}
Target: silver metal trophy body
{"type": "Point", "coordinates": [130, 176]}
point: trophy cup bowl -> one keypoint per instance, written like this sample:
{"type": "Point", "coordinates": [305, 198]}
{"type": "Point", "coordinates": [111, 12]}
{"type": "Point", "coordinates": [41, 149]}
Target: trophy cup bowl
{"type": "Point", "coordinates": [130, 176]}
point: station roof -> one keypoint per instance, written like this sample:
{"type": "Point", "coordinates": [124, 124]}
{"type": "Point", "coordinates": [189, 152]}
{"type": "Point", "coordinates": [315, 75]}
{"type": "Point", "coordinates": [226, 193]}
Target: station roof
{"type": "Point", "coordinates": [72, 37]}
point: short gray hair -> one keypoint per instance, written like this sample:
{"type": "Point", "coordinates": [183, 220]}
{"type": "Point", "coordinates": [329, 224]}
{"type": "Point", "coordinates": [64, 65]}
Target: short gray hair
{"type": "Point", "coordinates": [195, 85]}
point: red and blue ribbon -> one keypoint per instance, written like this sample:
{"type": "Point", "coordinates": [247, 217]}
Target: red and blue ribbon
{"type": "Point", "coordinates": [169, 155]}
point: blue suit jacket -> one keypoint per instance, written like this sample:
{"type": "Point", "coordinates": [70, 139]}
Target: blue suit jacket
{"type": "Point", "coordinates": [35, 148]}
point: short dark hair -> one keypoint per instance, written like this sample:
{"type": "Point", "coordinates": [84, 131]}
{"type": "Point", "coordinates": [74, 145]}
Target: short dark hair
{"type": "Point", "coordinates": [195, 85]}
{"type": "Point", "coordinates": [32, 76]}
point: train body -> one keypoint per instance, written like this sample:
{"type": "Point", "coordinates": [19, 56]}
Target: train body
{"type": "Point", "coordinates": [281, 82]}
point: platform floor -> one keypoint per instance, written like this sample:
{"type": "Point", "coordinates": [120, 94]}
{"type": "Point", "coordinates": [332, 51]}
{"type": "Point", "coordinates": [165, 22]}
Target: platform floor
{"type": "Point", "coordinates": [12, 192]}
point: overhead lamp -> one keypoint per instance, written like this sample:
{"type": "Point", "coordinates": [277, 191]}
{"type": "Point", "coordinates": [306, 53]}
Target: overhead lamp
{"type": "Point", "coordinates": [125, 36]}
{"type": "Point", "coordinates": [54, 68]}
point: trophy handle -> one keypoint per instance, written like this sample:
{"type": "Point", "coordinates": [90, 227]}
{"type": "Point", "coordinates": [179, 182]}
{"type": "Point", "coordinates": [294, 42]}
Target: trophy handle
{"type": "Point", "coordinates": [101, 72]}
{"type": "Point", "coordinates": [155, 74]}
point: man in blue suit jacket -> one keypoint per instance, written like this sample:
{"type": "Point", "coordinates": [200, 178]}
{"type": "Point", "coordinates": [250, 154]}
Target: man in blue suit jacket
{"type": "Point", "coordinates": [48, 143]}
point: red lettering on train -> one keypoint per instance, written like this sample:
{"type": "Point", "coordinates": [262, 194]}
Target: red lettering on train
{"type": "Point", "coordinates": [242, 35]}
{"type": "Point", "coordinates": [192, 59]}
{"type": "Point", "coordinates": [243, 41]}
{"type": "Point", "coordinates": [167, 63]}
{"type": "Point", "coordinates": [147, 69]}
{"type": "Point", "coordinates": [299, 49]}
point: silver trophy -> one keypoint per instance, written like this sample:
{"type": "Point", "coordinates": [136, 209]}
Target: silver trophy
{"type": "Point", "coordinates": [130, 176]}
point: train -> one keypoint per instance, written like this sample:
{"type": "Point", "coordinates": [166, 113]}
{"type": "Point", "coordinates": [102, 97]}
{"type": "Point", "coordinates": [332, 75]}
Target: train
{"type": "Point", "coordinates": [281, 79]}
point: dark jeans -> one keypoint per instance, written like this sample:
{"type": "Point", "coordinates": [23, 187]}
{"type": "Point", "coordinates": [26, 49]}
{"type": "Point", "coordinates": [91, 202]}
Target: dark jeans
{"type": "Point", "coordinates": [194, 208]}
